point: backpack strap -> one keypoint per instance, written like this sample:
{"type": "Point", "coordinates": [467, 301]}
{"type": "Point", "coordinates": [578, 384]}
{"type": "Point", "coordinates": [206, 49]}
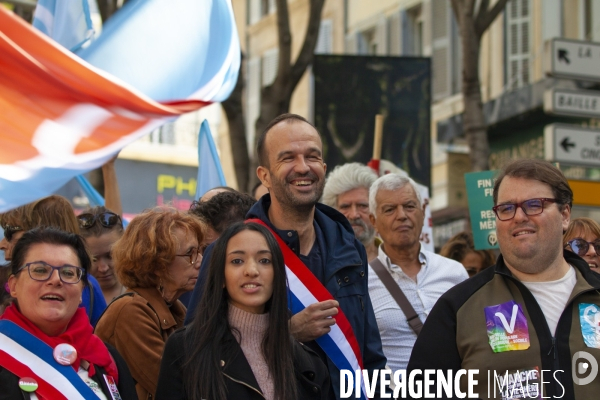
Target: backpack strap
{"type": "Point", "coordinates": [390, 284]}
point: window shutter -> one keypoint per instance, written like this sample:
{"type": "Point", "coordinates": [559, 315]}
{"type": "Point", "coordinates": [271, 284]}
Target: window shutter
{"type": "Point", "coordinates": [381, 37]}
{"type": "Point", "coordinates": [407, 34]}
{"type": "Point", "coordinates": [351, 44]}
{"type": "Point", "coordinates": [441, 70]}
{"type": "Point", "coordinates": [254, 12]}
{"type": "Point", "coordinates": [269, 66]}
{"type": "Point", "coordinates": [362, 46]}
{"type": "Point", "coordinates": [253, 100]}
{"type": "Point", "coordinates": [551, 19]}
{"type": "Point", "coordinates": [456, 55]}
{"type": "Point", "coordinates": [518, 42]}
{"type": "Point", "coordinates": [325, 40]}
{"type": "Point", "coordinates": [395, 33]}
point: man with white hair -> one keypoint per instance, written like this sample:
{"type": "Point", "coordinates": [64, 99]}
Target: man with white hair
{"type": "Point", "coordinates": [347, 190]}
{"type": "Point", "coordinates": [397, 212]}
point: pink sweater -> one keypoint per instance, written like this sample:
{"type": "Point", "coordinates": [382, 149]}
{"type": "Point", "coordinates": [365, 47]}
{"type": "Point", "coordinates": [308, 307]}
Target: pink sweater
{"type": "Point", "coordinates": [252, 328]}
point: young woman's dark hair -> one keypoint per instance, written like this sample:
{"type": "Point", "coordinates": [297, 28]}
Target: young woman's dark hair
{"type": "Point", "coordinates": [204, 338]}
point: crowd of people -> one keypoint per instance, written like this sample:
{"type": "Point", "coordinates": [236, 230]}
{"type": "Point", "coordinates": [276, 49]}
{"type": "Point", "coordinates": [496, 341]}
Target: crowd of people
{"type": "Point", "coordinates": [271, 296]}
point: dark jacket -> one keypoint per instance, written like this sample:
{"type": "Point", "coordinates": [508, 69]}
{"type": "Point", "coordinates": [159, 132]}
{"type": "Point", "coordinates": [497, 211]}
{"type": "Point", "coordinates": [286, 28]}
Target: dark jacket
{"type": "Point", "coordinates": [344, 275]}
{"type": "Point", "coordinates": [455, 335]}
{"type": "Point", "coordinates": [311, 373]}
{"type": "Point", "coordinates": [9, 383]}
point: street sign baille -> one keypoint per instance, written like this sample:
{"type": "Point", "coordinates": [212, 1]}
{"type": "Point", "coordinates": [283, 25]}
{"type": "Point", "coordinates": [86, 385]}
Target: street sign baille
{"type": "Point", "coordinates": [575, 59]}
{"type": "Point", "coordinates": [572, 144]}
{"type": "Point", "coordinates": [572, 103]}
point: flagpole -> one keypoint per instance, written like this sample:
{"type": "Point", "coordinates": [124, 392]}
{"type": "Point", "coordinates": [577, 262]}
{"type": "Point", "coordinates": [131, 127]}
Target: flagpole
{"type": "Point", "coordinates": [377, 141]}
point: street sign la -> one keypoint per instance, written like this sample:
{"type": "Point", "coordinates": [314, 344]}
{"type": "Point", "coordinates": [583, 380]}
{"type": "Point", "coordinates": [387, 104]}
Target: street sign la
{"type": "Point", "coordinates": [572, 103]}
{"type": "Point", "coordinates": [572, 144]}
{"type": "Point", "coordinates": [575, 59]}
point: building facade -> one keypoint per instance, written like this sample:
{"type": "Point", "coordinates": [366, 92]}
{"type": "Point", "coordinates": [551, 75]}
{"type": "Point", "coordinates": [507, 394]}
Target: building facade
{"type": "Point", "coordinates": [513, 75]}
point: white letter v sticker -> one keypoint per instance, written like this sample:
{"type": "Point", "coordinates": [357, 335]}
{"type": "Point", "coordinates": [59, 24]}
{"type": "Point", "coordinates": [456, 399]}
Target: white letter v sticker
{"type": "Point", "coordinates": [513, 318]}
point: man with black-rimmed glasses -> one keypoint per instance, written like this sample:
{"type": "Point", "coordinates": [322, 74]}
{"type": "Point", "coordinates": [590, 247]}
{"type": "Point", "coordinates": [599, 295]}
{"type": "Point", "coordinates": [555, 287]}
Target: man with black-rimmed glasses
{"type": "Point", "coordinates": [530, 323]}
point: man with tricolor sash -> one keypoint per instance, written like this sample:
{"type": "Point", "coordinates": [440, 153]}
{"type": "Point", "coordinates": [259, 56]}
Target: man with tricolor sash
{"type": "Point", "coordinates": [326, 265]}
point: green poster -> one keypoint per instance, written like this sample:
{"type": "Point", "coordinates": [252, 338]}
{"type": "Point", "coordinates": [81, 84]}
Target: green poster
{"type": "Point", "coordinates": [480, 191]}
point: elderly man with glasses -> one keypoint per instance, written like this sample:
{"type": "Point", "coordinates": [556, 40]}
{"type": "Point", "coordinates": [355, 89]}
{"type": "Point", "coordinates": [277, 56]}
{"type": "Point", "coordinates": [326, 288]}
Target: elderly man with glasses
{"type": "Point", "coordinates": [530, 324]}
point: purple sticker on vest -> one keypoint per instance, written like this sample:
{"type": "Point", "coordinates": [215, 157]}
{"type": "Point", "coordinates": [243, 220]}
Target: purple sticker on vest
{"type": "Point", "coordinates": [507, 327]}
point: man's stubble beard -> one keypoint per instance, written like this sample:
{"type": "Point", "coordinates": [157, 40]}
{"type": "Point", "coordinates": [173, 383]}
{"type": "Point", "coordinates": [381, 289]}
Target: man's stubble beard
{"type": "Point", "coordinates": [368, 234]}
{"type": "Point", "coordinates": [288, 201]}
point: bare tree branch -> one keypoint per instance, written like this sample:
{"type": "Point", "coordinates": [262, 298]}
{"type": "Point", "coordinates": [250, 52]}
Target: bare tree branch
{"type": "Point", "coordinates": [285, 41]}
{"type": "Point", "coordinates": [234, 111]}
{"type": "Point", "coordinates": [456, 7]}
{"type": "Point", "coordinates": [469, 6]}
{"type": "Point", "coordinates": [481, 24]}
{"type": "Point", "coordinates": [306, 56]}
{"type": "Point", "coordinates": [483, 6]}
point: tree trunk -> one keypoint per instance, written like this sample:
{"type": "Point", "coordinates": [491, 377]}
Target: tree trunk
{"type": "Point", "coordinates": [237, 133]}
{"type": "Point", "coordinates": [474, 125]}
{"type": "Point", "coordinates": [272, 104]}
{"type": "Point", "coordinates": [472, 27]}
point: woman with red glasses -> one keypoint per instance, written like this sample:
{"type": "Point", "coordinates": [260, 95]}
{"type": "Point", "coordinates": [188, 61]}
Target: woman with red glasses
{"type": "Point", "coordinates": [101, 228]}
{"type": "Point", "coordinates": [583, 238]}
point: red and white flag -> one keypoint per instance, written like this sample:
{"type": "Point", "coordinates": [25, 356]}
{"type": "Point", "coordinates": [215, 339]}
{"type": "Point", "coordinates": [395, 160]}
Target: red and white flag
{"type": "Point", "coordinates": [60, 116]}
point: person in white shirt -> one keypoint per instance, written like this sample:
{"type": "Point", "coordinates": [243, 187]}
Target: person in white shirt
{"type": "Point", "coordinates": [397, 211]}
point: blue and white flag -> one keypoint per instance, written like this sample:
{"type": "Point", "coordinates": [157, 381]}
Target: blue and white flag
{"type": "Point", "coordinates": [94, 198]}
{"type": "Point", "coordinates": [171, 49]}
{"type": "Point", "coordinates": [62, 117]}
{"type": "Point", "coordinates": [210, 173]}
{"type": "Point", "coordinates": [68, 22]}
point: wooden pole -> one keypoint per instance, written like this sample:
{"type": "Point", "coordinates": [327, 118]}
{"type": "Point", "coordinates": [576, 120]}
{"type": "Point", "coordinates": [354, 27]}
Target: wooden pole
{"type": "Point", "coordinates": [378, 136]}
{"type": "Point", "coordinates": [374, 163]}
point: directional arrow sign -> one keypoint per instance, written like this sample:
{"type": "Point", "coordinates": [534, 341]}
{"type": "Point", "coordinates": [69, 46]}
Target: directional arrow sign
{"type": "Point", "coordinates": [572, 144]}
{"type": "Point", "coordinates": [572, 103]}
{"type": "Point", "coordinates": [566, 144]}
{"type": "Point", "coordinates": [576, 59]}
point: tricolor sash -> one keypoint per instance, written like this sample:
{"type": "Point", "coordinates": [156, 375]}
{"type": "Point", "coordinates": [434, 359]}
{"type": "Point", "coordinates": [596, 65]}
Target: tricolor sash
{"type": "Point", "coordinates": [27, 356]}
{"type": "Point", "coordinates": [339, 344]}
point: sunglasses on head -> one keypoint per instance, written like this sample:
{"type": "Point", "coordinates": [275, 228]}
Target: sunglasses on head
{"type": "Point", "coordinates": [581, 247]}
{"type": "Point", "coordinates": [9, 231]}
{"type": "Point", "coordinates": [106, 219]}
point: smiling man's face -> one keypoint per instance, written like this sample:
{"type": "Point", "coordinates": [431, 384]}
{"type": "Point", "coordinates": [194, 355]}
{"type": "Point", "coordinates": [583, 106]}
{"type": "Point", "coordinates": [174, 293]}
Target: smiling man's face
{"type": "Point", "coordinates": [295, 175]}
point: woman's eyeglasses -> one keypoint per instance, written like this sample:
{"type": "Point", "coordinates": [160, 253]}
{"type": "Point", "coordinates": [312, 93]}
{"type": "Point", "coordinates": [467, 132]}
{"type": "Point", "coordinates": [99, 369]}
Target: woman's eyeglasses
{"type": "Point", "coordinates": [42, 271]}
{"type": "Point", "coordinates": [191, 255]}
{"type": "Point", "coordinates": [581, 247]}
{"type": "Point", "coordinates": [9, 231]}
{"type": "Point", "coordinates": [106, 219]}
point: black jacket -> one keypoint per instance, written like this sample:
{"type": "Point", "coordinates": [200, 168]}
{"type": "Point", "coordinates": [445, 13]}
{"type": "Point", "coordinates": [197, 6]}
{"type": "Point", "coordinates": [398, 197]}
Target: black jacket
{"type": "Point", "coordinates": [9, 383]}
{"type": "Point", "coordinates": [311, 374]}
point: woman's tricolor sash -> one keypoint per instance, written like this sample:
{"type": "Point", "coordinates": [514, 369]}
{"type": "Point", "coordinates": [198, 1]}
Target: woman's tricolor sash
{"type": "Point", "coordinates": [339, 344]}
{"type": "Point", "coordinates": [27, 356]}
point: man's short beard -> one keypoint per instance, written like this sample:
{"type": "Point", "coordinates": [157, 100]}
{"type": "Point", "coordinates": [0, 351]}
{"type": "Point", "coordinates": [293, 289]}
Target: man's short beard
{"type": "Point", "coordinates": [368, 231]}
{"type": "Point", "coordinates": [281, 191]}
